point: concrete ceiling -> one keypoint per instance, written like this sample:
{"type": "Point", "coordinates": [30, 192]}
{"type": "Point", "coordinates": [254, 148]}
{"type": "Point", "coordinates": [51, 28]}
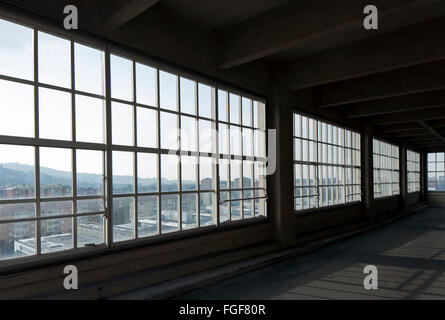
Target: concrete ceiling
{"type": "Point", "coordinates": [219, 14]}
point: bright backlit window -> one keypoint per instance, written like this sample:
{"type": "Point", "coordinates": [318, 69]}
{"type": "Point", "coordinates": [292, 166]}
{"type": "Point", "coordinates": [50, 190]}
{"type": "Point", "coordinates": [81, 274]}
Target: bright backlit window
{"type": "Point", "coordinates": [326, 164]}
{"type": "Point", "coordinates": [386, 169]}
{"type": "Point", "coordinates": [178, 154]}
{"type": "Point", "coordinates": [436, 175]}
{"type": "Point", "coordinates": [413, 171]}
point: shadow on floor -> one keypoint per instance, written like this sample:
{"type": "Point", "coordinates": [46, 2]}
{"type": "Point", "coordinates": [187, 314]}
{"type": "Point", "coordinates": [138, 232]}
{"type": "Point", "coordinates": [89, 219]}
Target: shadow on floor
{"type": "Point", "coordinates": [409, 255]}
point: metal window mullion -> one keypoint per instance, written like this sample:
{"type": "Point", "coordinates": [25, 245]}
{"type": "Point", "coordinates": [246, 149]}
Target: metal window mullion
{"type": "Point", "coordinates": [217, 159]}
{"type": "Point", "coordinates": [73, 151]}
{"type": "Point", "coordinates": [109, 155]}
{"type": "Point", "coordinates": [198, 166]}
{"type": "Point", "coordinates": [345, 190]}
{"type": "Point", "coordinates": [37, 148]}
{"type": "Point", "coordinates": [242, 161]}
{"type": "Point", "coordinates": [159, 155]}
{"type": "Point", "coordinates": [135, 142]}
{"type": "Point", "coordinates": [229, 169]}
{"type": "Point", "coordinates": [179, 164]}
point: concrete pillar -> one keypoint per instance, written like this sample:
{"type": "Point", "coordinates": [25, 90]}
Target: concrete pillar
{"type": "Point", "coordinates": [403, 174]}
{"type": "Point", "coordinates": [424, 177]}
{"type": "Point", "coordinates": [282, 213]}
{"type": "Point", "coordinates": [367, 173]}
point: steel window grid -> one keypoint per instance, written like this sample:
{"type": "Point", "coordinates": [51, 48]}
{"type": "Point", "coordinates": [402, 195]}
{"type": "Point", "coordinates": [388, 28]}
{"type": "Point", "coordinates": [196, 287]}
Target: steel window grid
{"type": "Point", "coordinates": [390, 159]}
{"type": "Point", "coordinates": [317, 141]}
{"type": "Point", "coordinates": [107, 147]}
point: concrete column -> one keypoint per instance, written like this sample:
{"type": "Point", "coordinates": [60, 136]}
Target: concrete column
{"type": "Point", "coordinates": [403, 177]}
{"type": "Point", "coordinates": [424, 177]}
{"type": "Point", "coordinates": [367, 173]}
{"type": "Point", "coordinates": [282, 213]}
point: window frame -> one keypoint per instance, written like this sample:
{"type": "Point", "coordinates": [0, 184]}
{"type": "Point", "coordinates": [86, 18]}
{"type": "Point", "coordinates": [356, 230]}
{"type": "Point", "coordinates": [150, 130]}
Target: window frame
{"type": "Point", "coordinates": [109, 48]}
{"type": "Point", "coordinates": [392, 170]}
{"type": "Point", "coordinates": [317, 163]}
{"type": "Point", "coordinates": [416, 172]}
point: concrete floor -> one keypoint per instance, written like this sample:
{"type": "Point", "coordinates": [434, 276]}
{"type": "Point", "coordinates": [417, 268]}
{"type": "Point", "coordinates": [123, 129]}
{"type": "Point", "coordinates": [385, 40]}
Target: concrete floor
{"type": "Point", "coordinates": [409, 255]}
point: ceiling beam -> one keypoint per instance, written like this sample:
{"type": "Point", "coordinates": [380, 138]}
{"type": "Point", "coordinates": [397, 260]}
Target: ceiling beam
{"type": "Point", "coordinates": [400, 128]}
{"type": "Point", "coordinates": [292, 26]}
{"type": "Point", "coordinates": [423, 78]}
{"type": "Point", "coordinates": [410, 116]}
{"type": "Point", "coordinates": [432, 130]}
{"type": "Point", "coordinates": [125, 11]}
{"type": "Point", "coordinates": [421, 43]}
{"type": "Point", "coordinates": [397, 104]}
{"type": "Point", "coordinates": [413, 133]}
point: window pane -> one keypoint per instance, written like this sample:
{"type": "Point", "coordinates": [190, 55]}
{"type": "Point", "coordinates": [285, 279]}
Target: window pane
{"type": "Point", "coordinates": [168, 91]}
{"type": "Point", "coordinates": [206, 211]}
{"type": "Point", "coordinates": [189, 171]}
{"type": "Point", "coordinates": [224, 207]}
{"type": "Point", "coordinates": [123, 219]}
{"type": "Point", "coordinates": [90, 119]}
{"type": "Point", "coordinates": [189, 211]}
{"type": "Point", "coordinates": [206, 173]}
{"type": "Point", "coordinates": [247, 112]}
{"type": "Point", "coordinates": [17, 51]}
{"type": "Point", "coordinates": [56, 235]}
{"type": "Point", "coordinates": [148, 209]}
{"type": "Point", "coordinates": [16, 109]}
{"type": "Point", "coordinates": [223, 173]}
{"type": "Point", "coordinates": [235, 174]}
{"type": "Point", "coordinates": [222, 106]}
{"type": "Point", "coordinates": [146, 78]}
{"type": "Point", "coordinates": [54, 60]}
{"type": "Point", "coordinates": [205, 136]}
{"type": "Point", "coordinates": [247, 174]}
{"type": "Point", "coordinates": [121, 78]}
{"type": "Point", "coordinates": [90, 230]}
{"type": "Point", "coordinates": [55, 172]}
{"type": "Point", "coordinates": [169, 131]}
{"type": "Point", "coordinates": [123, 172]}
{"type": "Point", "coordinates": [90, 171]}
{"type": "Point", "coordinates": [188, 134]}
{"type": "Point", "coordinates": [169, 173]}
{"type": "Point", "coordinates": [54, 209]}
{"type": "Point", "coordinates": [205, 101]}
{"type": "Point", "coordinates": [248, 204]}
{"type": "Point", "coordinates": [235, 205]}
{"type": "Point", "coordinates": [188, 96]}
{"type": "Point", "coordinates": [235, 109]}
{"type": "Point", "coordinates": [147, 121]}
{"type": "Point", "coordinates": [170, 213]}
{"type": "Point", "coordinates": [89, 69]}
{"type": "Point", "coordinates": [123, 129]}
{"type": "Point", "coordinates": [224, 139]}
{"type": "Point", "coordinates": [17, 211]}
{"type": "Point", "coordinates": [247, 142]}
{"type": "Point", "coordinates": [235, 140]}
{"type": "Point", "coordinates": [17, 172]}
{"type": "Point", "coordinates": [147, 172]}
{"type": "Point", "coordinates": [19, 240]}
{"type": "Point", "coordinates": [54, 114]}
{"type": "Point", "coordinates": [90, 206]}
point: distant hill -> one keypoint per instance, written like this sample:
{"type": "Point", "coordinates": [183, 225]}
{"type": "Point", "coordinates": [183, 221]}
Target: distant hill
{"type": "Point", "coordinates": [15, 174]}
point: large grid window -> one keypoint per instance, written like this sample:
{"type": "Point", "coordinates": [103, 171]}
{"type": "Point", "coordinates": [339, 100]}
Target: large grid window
{"type": "Point", "coordinates": [76, 119]}
{"type": "Point", "coordinates": [386, 169]}
{"type": "Point", "coordinates": [413, 171]}
{"type": "Point", "coordinates": [52, 124]}
{"type": "Point", "coordinates": [242, 157]}
{"type": "Point", "coordinates": [326, 164]}
{"type": "Point", "coordinates": [436, 175]}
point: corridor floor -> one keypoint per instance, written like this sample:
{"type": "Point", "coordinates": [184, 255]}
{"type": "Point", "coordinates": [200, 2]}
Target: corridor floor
{"type": "Point", "coordinates": [409, 255]}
